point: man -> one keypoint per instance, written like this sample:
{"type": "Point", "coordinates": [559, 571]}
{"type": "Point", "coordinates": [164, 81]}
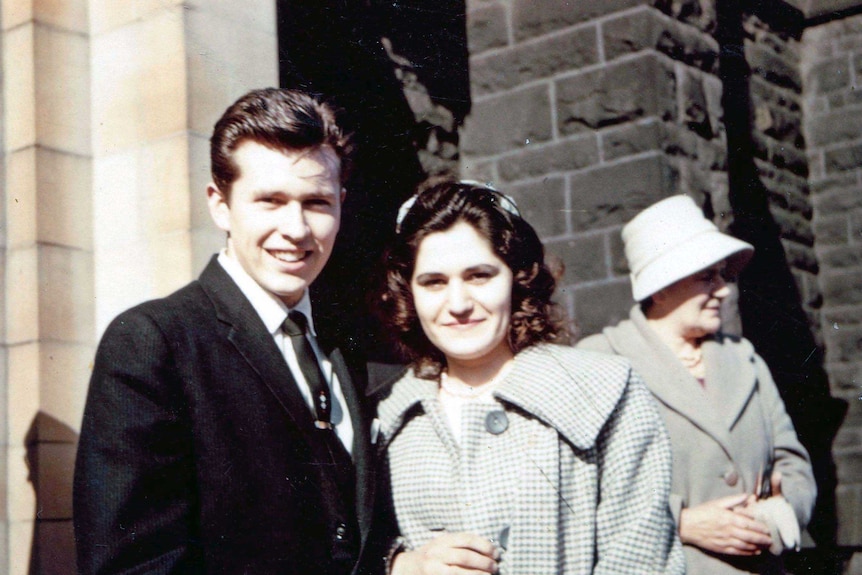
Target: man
{"type": "Point", "coordinates": [220, 436]}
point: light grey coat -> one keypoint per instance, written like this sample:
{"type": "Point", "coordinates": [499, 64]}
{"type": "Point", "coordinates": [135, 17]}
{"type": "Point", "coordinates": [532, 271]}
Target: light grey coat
{"type": "Point", "coordinates": [723, 433]}
{"type": "Point", "coordinates": [580, 475]}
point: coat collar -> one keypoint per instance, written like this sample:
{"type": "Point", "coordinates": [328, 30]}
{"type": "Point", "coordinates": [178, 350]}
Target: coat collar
{"type": "Point", "coordinates": [571, 392]}
{"type": "Point", "coordinates": [253, 341]}
{"type": "Point", "coordinates": [729, 382]}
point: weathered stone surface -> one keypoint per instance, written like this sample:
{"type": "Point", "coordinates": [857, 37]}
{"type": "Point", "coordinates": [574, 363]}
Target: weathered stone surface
{"type": "Point", "coordinates": [631, 139]}
{"type": "Point", "coordinates": [848, 499]}
{"type": "Point", "coordinates": [619, 264]}
{"type": "Point", "coordinates": [487, 28]}
{"type": "Point", "coordinates": [840, 256]}
{"type": "Point", "coordinates": [830, 230]}
{"type": "Point", "coordinates": [802, 257]}
{"type": "Point", "coordinates": [564, 156]}
{"type": "Point", "coordinates": [828, 75]}
{"type": "Point", "coordinates": [648, 29]}
{"type": "Point", "coordinates": [843, 288]}
{"type": "Point", "coordinates": [834, 127]}
{"type": "Point", "coordinates": [615, 193]}
{"type": "Point", "coordinates": [695, 113]}
{"type": "Point", "coordinates": [527, 62]}
{"type": "Point", "coordinates": [584, 257]}
{"type": "Point", "coordinates": [822, 186]}
{"type": "Point", "coordinates": [617, 94]}
{"type": "Point", "coordinates": [845, 377]}
{"type": "Point", "coordinates": [601, 304]}
{"type": "Point", "coordinates": [508, 122]}
{"type": "Point", "coordinates": [772, 67]}
{"type": "Point", "coordinates": [481, 171]}
{"type": "Point", "coordinates": [543, 204]}
{"type": "Point", "coordinates": [536, 17]}
{"type": "Point", "coordinates": [841, 159]}
{"type": "Point", "coordinates": [699, 13]}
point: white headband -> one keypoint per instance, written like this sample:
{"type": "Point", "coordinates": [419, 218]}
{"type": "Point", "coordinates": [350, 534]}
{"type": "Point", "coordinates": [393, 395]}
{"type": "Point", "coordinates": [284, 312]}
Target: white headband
{"type": "Point", "coordinates": [505, 202]}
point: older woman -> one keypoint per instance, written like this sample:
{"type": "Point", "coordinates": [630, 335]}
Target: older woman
{"type": "Point", "coordinates": [508, 453]}
{"type": "Point", "coordinates": [727, 423]}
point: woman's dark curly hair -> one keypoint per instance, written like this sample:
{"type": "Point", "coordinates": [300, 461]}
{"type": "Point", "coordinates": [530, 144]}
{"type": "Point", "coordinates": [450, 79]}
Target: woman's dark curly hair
{"type": "Point", "coordinates": [439, 206]}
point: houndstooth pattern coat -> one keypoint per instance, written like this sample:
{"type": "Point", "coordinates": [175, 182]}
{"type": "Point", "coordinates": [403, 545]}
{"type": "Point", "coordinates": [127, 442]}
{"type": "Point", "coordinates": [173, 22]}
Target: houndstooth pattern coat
{"type": "Point", "coordinates": [578, 475]}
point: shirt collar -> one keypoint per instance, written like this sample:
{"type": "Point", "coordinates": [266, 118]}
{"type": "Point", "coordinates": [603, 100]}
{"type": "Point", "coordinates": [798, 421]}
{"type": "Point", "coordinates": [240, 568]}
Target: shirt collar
{"type": "Point", "coordinates": [268, 306]}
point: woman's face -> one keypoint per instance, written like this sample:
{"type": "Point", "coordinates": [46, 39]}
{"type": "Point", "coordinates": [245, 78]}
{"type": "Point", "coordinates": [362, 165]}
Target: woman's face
{"type": "Point", "coordinates": [462, 292]}
{"type": "Point", "coordinates": [694, 303]}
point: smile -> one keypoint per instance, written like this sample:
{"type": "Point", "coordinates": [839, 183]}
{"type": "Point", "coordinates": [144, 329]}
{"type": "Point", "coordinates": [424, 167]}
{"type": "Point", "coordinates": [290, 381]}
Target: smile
{"type": "Point", "coordinates": [289, 256]}
{"type": "Point", "coordinates": [463, 325]}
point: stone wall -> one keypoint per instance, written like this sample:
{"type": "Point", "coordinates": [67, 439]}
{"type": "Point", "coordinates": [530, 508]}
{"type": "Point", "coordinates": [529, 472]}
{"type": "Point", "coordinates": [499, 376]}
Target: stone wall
{"type": "Point", "coordinates": [832, 63]}
{"type": "Point", "coordinates": [587, 113]}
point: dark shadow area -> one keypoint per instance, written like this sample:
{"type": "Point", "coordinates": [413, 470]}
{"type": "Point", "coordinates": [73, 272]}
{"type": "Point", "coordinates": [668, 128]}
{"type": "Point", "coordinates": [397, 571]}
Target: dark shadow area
{"type": "Point", "coordinates": [50, 461]}
{"type": "Point", "coordinates": [334, 48]}
{"type": "Point", "coordinates": [770, 303]}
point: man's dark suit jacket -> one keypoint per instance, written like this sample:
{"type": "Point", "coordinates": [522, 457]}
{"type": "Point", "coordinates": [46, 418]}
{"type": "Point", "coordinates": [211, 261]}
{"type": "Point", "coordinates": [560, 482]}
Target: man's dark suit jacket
{"type": "Point", "coordinates": [195, 455]}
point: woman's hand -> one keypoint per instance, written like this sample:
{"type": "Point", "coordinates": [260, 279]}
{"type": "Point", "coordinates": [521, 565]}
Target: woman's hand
{"type": "Point", "coordinates": [724, 526]}
{"type": "Point", "coordinates": [449, 554]}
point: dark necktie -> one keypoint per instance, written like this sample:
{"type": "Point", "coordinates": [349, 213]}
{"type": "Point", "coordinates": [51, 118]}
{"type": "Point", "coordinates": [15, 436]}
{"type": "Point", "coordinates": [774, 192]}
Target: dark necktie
{"type": "Point", "coordinates": [296, 327]}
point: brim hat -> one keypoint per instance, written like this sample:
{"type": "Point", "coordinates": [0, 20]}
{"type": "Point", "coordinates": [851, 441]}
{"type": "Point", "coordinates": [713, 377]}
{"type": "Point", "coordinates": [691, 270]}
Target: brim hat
{"type": "Point", "coordinates": [672, 240]}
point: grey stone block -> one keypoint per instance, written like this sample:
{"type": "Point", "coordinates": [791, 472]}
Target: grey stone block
{"type": "Point", "coordinates": [527, 62]}
{"type": "Point", "coordinates": [600, 305]}
{"type": "Point", "coordinates": [649, 29]}
{"type": "Point", "coordinates": [843, 159]}
{"type": "Point", "coordinates": [508, 122]}
{"type": "Point", "coordinates": [828, 75]}
{"type": "Point", "coordinates": [543, 205]}
{"type": "Point", "coordinates": [564, 156]}
{"type": "Point", "coordinates": [613, 194]}
{"type": "Point", "coordinates": [844, 288]}
{"type": "Point", "coordinates": [834, 127]}
{"type": "Point", "coordinates": [631, 139]}
{"type": "Point", "coordinates": [536, 17]}
{"type": "Point", "coordinates": [585, 258]}
{"type": "Point", "coordinates": [617, 94]}
{"type": "Point", "coordinates": [487, 28]}
{"type": "Point", "coordinates": [831, 230]}
{"type": "Point", "coordinates": [780, 70]}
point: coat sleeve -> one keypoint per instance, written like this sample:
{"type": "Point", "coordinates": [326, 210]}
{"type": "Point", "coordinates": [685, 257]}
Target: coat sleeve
{"type": "Point", "coordinates": [134, 475]}
{"type": "Point", "coordinates": [791, 458]}
{"type": "Point", "coordinates": [635, 529]}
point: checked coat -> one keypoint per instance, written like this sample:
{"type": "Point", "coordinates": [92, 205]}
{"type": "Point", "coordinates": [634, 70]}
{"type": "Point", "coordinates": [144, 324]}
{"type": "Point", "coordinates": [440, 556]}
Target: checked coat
{"type": "Point", "coordinates": [723, 434]}
{"type": "Point", "coordinates": [575, 481]}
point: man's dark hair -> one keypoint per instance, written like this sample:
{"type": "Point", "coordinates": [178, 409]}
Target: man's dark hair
{"type": "Point", "coordinates": [439, 206]}
{"type": "Point", "coordinates": [283, 120]}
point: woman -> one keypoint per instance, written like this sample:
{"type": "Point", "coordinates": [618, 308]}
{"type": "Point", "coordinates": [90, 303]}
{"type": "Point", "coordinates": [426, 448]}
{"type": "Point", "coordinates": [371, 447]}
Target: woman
{"type": "Point", "coordinates": [727, 423]}
{"type": "Point", "coordinates": [507, 453]}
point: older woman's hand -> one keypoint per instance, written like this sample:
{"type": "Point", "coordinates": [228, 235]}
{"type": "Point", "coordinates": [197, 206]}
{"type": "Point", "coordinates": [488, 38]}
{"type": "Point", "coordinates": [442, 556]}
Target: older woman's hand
{"type": "Point", "coordinates": [725, 526]}
{"type": "Point", "coordinates": [449, 554]}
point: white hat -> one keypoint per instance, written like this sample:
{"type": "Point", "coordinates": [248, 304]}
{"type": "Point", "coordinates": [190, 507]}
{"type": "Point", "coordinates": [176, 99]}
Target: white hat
{"type": "Point", "coordinates": [671, 240]}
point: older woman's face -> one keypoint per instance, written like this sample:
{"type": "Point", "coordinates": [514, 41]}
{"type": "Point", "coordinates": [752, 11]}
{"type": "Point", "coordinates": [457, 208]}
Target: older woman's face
{"type": "Point", "coordinates": [462, 292]}
{"type": "Point", "coordinates": [694, 302]}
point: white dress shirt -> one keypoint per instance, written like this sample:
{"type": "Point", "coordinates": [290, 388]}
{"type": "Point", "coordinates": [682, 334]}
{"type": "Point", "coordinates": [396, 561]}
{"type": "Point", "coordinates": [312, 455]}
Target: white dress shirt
{"type": "Point", "coordinates": [273, 312]}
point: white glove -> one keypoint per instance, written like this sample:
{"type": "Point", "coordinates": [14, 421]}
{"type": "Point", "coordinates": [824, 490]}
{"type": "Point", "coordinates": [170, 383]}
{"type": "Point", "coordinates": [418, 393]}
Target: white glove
{"type": "Point", "coordinates": [778, 515]}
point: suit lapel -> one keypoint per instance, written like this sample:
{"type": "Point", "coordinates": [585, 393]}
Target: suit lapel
{"type": "Point", "coordinates": [362, 455]}
{"type": "Point", "coordinates": [246, 332]}
{"type": "Point", "coordinates": [666, 378]}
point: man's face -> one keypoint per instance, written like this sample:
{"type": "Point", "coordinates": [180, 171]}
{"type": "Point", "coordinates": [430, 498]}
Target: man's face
{"type": "Point", "coordinates": [282, 217]}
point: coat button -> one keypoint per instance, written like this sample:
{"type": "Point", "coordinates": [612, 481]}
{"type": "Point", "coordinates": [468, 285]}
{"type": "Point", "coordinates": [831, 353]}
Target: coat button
{"type": "Point", "coordinates": [496, 422]}
{"type": "Point", "coordinates": [731, 478]}
{"type": "Point", "coordinates": [341, 531]}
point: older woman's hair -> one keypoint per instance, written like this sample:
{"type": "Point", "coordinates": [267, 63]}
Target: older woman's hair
{"type": "Point", "coordinates": [438, 206]}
